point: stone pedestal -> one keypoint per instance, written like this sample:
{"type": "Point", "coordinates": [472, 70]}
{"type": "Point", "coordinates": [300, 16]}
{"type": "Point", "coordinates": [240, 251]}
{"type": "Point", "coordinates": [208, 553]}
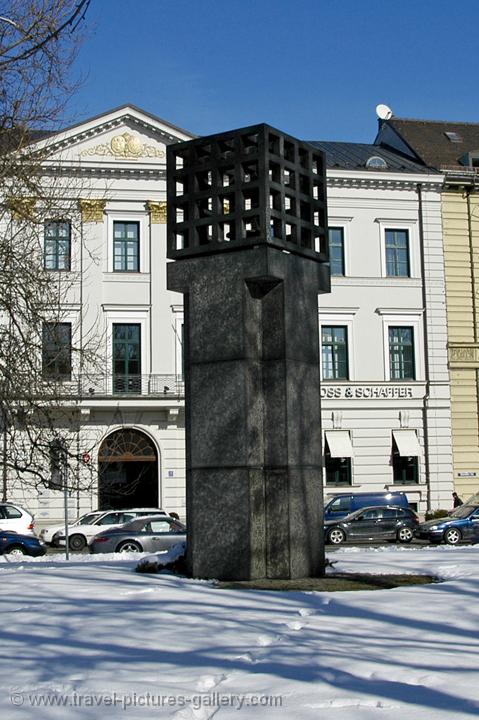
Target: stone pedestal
{"type": "Point", "coordinates": [253, 424]}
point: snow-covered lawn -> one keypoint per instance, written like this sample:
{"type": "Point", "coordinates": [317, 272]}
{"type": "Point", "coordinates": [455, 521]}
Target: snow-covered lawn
{"type": "Point", "coordinates": [92, 639]}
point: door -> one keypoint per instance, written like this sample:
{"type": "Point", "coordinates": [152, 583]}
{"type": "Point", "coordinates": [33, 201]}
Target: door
{"type": "Point", "coordinates": [126, 358]}
{"type": "Point", "coordinates": [473, 527]}
{"type": "Point", "coordinates": [128, 471]}
{"type": "Point", "coordinates": [366, 525]}
{"type": "Point", "coordinates": [387, 524]}
{"type": "Point", "coordinates": [161, 535]}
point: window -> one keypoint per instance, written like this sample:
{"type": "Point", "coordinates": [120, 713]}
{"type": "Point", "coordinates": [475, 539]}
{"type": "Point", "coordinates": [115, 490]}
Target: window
{"type": "Point", "coordinates": [371, 514]}
{"type": "Point", "coordinates": [405, 454]}
{"type": "Point", "coordinates": [337, 458]}
{"type": "Point", "coordinates": [57, 245]}
{"type": "Point", "coordinates": [127, 517]}
{"type": "Point", "coordinates": [454, 137]}
{"type": "Point", "coordinates": [88, 519]}
{"type": "Point", "coordinates": [340, 504]}
{"type": "Point", "coordinates": [397, 253]}
{"type": "Point", "coordinates": [126, 247]}
{"type": "Point", "coordinates": [336, 250]}
{"type": "Point", "coordinates": [376, 162]}
{"type": "Point", "coordinates": [57, 351]}
{"type": "Point", "coordinates": [334, 348]}
{"type": "Point", "coordinates": [127, 358]}
{"type": "Point", "coordinates": [161, 526]}
{"type": "Point", "coordinates": [405, 468]}
{"type": "Point", "coordinates": [11, 512]}
{"type": "Point", "coordinates": [111, 519]}
{"type": "Point", "coordinates": [338, 470]}
{"type": "Point", "coordinates": [401, 353]}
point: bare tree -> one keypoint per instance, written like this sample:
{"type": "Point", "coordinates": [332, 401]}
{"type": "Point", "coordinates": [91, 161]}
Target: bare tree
{"type": "Point", "coordinates": [40, 352]}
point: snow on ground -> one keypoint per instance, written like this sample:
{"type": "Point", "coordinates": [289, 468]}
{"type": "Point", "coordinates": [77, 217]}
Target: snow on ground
{"type": "Point", "coordinates": [93, 639]}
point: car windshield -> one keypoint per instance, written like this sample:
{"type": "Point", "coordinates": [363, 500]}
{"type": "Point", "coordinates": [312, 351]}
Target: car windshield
{"type": "Point", "coordinates": [473, 500]}
{"type": "Point", "coordinates": [463, 511]}
{"type": "Point", "coordinates": [86, 519]}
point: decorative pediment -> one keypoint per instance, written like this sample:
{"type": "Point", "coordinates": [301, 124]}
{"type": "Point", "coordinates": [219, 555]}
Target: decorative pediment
{"type": "Point", "coordinates": [125, 146]}
{"type": "Point", "coordinates": [126, 136]}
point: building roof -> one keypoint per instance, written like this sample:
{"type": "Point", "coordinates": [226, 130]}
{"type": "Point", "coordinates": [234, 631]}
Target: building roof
{"type": "Point", "coordinates": [126, 107]}
{"type": "Point", "coordinates": [354, 156]}
{"type": "Point", "coordinates": [438, 144]}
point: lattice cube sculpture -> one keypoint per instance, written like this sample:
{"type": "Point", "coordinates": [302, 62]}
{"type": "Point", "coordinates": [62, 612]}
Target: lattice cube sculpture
{"type": "Point", "coordinates": [243, 188]}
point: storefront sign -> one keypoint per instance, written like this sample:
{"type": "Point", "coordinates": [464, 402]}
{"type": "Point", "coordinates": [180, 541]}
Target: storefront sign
{"type": "Point", "coordinates": [362, 392]}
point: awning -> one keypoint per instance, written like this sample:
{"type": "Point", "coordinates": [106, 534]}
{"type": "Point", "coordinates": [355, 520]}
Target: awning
{"type": "Point", "coordinates": [339, 443]}
{"type": "Point", "coordinates": [407, 443]}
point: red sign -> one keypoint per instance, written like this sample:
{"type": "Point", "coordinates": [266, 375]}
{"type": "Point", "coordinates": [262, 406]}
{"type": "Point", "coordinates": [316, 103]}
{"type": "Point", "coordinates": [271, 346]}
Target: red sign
{"type": "Point", "coordinates": [86, 457]}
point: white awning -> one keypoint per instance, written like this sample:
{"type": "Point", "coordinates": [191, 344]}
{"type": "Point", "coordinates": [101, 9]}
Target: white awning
{"type": "Point", "coordinates": [407, 443]}
{"type": "Point", "coordinates": [339, 443]}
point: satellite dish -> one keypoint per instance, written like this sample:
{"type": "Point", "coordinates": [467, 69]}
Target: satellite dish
{"type": "Point", "coordinates": [383, 112]}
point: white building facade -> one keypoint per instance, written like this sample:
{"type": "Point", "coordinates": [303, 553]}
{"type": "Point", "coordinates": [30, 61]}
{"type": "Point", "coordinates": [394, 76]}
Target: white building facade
{"type": "Point", "coordinates": [385, 385]}
{"type": "Point", "coordinates": [129, 408]}
{"type": "Point", "coordinates": [385, 389]}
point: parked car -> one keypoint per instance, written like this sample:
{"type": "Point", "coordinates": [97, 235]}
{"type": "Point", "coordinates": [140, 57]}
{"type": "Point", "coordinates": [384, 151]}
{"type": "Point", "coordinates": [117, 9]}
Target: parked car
{"type": "Point", "coordinates": [49, 534]}
{"type": "Point", "coordinates": [373, 523]}
{"type": "Point", "coordinates": [14, 517]}
{"type": "Point", "coordinates": [147, 534]}
{"type": "Point", "coordinates": [16, 544]}
{"type": "Point", "coordinates": [80, 534]}
{"type": "Point", "coordinates": [341, 504]}
{"type": "Point", "coordinates": [461, 524]}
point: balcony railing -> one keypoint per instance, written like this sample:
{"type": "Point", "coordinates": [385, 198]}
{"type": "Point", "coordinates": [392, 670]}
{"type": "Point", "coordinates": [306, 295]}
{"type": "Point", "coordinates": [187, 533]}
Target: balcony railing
{"type": "Point", "coordinates": [98, 385]}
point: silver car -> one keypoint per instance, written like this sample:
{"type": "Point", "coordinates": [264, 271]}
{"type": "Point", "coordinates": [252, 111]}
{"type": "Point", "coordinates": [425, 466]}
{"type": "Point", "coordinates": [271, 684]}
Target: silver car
{"type": "Point", "coordinates": [147, 534]}
{"type": "Point", "coordinates": [84, 530]}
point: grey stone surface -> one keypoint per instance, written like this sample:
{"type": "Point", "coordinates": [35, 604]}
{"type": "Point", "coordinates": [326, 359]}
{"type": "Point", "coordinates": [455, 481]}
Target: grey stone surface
{"type": "Point", "coordinates": [254, 481]}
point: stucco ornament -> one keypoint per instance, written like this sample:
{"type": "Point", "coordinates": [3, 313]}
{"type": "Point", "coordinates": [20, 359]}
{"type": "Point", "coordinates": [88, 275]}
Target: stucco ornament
{"type": "Point", "coordinates": [125, 145]}
{"type": "Point", "coordinates": [92, 210]}
{"type": "Point", "coordinates": [465, 354]}
{"type": "Point", "coordinates": [157, 212]}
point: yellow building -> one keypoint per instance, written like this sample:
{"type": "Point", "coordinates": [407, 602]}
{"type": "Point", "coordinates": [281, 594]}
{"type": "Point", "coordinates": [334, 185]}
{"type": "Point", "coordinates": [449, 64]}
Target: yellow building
{"type": "Point", "coordinates": [453, 149]}
{"type": "Point", "coordinates": [461, 256]}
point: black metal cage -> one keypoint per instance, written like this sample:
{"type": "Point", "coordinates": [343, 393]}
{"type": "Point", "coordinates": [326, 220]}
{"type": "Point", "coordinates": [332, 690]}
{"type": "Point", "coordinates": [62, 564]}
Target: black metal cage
{"type": "Point", "coordinates": [246, 187]}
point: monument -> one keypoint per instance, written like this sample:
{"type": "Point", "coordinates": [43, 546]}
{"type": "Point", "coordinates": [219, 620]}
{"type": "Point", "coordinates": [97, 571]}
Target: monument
{"type": "Point", "coordinates": [247, 231]}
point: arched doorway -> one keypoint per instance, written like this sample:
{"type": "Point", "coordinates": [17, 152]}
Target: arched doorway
{"type": "Point", "coordinates": [127, 471]}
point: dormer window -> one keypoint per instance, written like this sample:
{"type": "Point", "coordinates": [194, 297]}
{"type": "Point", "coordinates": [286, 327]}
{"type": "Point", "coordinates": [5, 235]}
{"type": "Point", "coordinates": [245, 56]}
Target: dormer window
{"type": "Point", "coordinates": [453, 137]}
{"type": "Point", "coordinates": [377, 163]}
{"type": "Point", "coordinates": [470, 159]}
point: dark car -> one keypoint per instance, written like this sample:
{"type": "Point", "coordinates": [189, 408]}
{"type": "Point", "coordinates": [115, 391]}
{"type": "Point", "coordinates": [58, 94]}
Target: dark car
{"type": "Point", "coordinates": [12, 543]}
{"type": "Point", "coordinates": [342, 504]}
{"type": "Point", "coordinates": [147, 534]}
{"type": "Point", "coordinates": [373, 523]}
{"type": "Point", "coordinates": [461, 524]}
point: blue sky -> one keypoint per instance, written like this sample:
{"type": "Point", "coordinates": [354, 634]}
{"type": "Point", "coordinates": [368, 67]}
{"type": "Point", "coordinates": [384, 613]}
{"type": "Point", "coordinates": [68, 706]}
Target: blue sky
{"type": "Point", "coordinates": [313, 68]}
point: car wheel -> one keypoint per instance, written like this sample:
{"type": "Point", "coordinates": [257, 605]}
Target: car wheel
{"type": "Point", "coordinates": [452, 536]}
{"type": "Point", "coordinates": [405, 535]}
{"type": "Point", "coordinates": [129, 546]}
{"type": "Point", "coordinates": [336, 536]}
{"type": "Point", "coordinates": [15, 550]}
{"type": "Point", "coordinates": [77, 542]}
